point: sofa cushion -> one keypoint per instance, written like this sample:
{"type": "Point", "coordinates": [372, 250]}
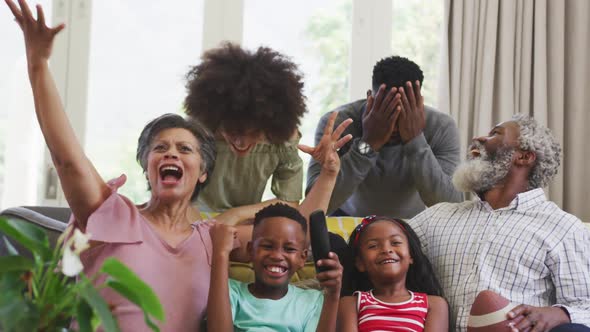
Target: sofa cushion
{"type": "Point", "coordinates": [52, 219]}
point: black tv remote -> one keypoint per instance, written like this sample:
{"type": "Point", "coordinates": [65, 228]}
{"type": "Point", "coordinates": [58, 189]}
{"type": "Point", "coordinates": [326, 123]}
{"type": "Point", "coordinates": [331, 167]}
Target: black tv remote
{"type": "Point", "coordinates": [320, 240]}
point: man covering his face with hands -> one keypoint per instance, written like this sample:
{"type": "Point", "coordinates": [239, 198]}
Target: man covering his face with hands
{"type": "Point", "coordinates": [403, 153]}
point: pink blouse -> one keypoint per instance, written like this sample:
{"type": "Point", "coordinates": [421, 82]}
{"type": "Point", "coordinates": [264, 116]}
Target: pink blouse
{"type": "Point", "coordinates": [180, 276]}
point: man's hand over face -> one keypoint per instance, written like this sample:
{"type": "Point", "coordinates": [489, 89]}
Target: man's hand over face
{"type": "Point", "coordinates": [380, 116]}
{"type": "Point", "coordinates": [412, 119]}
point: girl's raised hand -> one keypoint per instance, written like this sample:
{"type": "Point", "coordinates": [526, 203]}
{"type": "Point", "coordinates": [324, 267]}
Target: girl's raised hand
{"type": "Point", "coordinates": [38, 36]}
{"type": "Point", "coordinates": [326, 152]}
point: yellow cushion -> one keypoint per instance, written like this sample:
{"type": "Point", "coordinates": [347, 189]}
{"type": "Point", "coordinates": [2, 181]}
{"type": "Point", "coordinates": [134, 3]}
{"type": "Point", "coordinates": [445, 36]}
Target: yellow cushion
{"type": "Point", "coordinates": [342, 226]}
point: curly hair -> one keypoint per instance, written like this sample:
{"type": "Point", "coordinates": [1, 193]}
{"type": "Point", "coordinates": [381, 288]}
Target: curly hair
{"type": "Point", "coordinates": [207, 148]}
{"type": "Point", "coordinates": [238, 90]}
{"type": "Point", "coordinates": [395, 71]}
{"type": "Point", "coordinates": [538, 139]}
{"type": "Point", "coordinates": [420, 276]}
{"type": "Point", "coordinates": [280, 210]}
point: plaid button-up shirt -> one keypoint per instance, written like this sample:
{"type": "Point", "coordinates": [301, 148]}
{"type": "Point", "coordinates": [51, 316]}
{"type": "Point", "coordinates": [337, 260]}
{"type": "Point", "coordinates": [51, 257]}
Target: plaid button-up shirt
{"type": "Point", "coordinates": [530, 252]}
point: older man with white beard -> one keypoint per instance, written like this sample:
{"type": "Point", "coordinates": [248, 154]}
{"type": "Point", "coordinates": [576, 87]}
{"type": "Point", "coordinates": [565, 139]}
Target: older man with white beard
{"type": "Point", "coordinates": [511, 239]}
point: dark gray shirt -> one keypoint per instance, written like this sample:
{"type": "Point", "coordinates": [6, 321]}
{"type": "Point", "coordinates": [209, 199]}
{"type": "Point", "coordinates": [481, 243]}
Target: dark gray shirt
{"type": "Point", "coordinates": [400, 180]}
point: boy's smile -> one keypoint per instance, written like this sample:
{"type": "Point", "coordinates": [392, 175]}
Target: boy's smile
{"type": "Point", "coordinates": [277, 251]}
{"type": "Point", "coordinates": [276, 270]}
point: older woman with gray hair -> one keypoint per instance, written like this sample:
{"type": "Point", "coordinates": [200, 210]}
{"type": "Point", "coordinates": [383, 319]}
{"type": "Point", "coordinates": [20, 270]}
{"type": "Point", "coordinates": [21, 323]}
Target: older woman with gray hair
{"type": "Point", "coordinates": [164, 240]}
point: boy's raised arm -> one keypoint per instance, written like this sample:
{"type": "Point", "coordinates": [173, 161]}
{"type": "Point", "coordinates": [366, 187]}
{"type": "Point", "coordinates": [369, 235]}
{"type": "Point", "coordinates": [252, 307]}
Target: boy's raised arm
{"type": "Point", "coordinates": [325, 153]}
{"type": "Point", "coordinates": [218, 304]}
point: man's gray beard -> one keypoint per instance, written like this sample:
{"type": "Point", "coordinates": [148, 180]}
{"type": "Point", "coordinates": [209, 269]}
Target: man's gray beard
{"type": "Point", "coordinates": [481, 174]}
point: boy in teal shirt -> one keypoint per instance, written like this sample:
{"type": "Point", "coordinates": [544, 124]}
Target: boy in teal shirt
{"type": "Point", "coordinates": [277, 250]}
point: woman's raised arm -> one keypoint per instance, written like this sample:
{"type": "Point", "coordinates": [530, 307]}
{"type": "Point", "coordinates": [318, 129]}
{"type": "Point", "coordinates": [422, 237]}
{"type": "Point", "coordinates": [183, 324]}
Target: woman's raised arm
{"type": "Point", "coordinates": [83, 187]}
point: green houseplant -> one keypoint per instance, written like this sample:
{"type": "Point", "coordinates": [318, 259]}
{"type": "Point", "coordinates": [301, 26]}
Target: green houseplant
{"type": "Point", "coordinates": [40, 294]}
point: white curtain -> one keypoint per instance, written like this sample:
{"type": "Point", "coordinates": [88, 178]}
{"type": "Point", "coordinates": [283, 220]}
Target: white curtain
{"type": "Point", "coordinates": [502, 57]}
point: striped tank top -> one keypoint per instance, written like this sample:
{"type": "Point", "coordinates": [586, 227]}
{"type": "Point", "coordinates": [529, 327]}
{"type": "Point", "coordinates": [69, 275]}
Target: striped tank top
{"type": "Point", "coordinates": [376, 315]}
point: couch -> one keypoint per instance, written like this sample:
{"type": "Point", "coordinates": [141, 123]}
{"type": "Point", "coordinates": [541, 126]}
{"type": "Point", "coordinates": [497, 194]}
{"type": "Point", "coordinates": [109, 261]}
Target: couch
{"type": "Point", "coordinates": [54, 221]}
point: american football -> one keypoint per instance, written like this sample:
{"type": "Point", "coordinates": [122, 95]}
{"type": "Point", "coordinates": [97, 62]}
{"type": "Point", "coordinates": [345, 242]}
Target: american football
{"type": "Point", "coordinates": [488, 313]}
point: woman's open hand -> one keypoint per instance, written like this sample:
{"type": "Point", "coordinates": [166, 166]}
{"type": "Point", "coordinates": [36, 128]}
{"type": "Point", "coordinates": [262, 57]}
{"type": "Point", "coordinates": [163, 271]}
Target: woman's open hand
{"type": "Point", "coordinates": [326, 152]}
{"type": "Point", "coordinates": [38, 36]}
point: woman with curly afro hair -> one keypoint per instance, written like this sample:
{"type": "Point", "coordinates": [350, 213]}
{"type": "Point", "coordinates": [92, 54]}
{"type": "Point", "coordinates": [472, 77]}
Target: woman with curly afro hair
{"type": "Point", "coordinates": [253, 102]}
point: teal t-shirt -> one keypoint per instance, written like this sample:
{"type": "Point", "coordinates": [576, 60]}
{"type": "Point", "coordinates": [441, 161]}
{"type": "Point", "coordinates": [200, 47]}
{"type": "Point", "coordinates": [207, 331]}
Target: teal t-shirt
{"type": "Point", "coordinates": [299, 310]}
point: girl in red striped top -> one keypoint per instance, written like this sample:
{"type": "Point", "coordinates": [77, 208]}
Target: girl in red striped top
{"type": "Point", "coordinates": [395, 282]}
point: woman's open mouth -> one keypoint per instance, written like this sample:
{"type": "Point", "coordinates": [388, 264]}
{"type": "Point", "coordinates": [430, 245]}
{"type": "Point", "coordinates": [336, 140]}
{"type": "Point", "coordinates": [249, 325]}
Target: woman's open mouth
{"type": "Point", "coordinates": [170, 174]}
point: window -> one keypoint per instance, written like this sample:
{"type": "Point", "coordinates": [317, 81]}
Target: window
{"type": "Point", "coordinates": [137, 68]}
{"type": "Point", "coordinates": [417, 32]}
{"type": "Point", "coordinates": [316, 35]}
{"type": "Point", "coordinates": [140, 52]}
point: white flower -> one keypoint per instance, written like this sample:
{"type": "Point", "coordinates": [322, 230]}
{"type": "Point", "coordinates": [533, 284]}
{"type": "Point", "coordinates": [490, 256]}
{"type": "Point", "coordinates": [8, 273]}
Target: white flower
{"type": "Point", "coordinates": [80, 241]}
{"type": "Point", "coordinates": [70, 263]}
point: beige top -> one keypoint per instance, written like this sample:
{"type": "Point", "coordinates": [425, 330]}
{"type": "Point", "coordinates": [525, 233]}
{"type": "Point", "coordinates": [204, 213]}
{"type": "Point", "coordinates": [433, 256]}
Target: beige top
{"type": "Point", "coordinates": [238, 181]}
